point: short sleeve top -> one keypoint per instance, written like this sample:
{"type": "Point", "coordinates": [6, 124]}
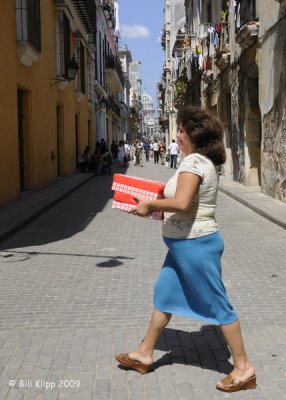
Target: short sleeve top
{"type": "Point", "coordinates": [199, 220]}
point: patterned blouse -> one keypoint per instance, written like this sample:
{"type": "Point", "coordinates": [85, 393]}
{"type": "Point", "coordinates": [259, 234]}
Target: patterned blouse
{"type": "Point", "coordinates": [199, 220]}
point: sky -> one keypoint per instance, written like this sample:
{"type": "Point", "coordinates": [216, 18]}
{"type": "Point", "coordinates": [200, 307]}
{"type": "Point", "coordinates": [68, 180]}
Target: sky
{"type": "Point", "coordinates": [141, 22]}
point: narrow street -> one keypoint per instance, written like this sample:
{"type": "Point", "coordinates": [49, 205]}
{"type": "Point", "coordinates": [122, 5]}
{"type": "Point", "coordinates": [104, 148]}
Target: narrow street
{"type": "Point", "coordinates": [76, 287]}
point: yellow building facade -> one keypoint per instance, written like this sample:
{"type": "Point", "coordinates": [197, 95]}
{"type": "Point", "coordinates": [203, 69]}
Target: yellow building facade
{"type": "Point", "coordinates": [44, 124]}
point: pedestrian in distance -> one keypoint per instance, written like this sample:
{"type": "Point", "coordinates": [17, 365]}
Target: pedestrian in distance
{"type": "Point", "coordinates": [156, 152]}
{"type": "Point", "coordinates": [151, 150]}
{"type": "Point", "coordinates": [139, 152]}
{"type": "Point", "coordinates": [102, 147]}
{"type": "Point", "coordinates": [127, 152]}
{"type": "Point", "coordinates": [190, 282]}
{"type": "Point", "coordinates": [84, 160]}
{"type": "Point", "coordinates": [162, 152]}
{"type": "Point", "coordinates": [114, 150]}
{"type": "Point", "coordinates": [174, 150]}
{"type": "Point", "coordinates": [132, 153]}
{"type": "Point", "coordinates": [121, 155]}
{"type": "Point", "coordinates": [146, 148]}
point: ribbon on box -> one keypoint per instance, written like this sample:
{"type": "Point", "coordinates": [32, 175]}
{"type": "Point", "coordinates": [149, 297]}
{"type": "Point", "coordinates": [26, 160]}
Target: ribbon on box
{"type": "Point", "coordinates": [126, 187]}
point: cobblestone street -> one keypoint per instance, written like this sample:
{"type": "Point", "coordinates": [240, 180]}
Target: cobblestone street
{"type": "Point", "coordinates": [77, 286]}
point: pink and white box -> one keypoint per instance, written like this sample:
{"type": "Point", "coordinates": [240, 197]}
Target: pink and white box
{"type": "Point", "coordinates": [126, 187]}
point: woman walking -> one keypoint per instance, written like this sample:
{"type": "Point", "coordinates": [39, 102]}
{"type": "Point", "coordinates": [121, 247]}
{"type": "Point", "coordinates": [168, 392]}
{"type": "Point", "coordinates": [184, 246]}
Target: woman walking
{"type": "Point", "coordinates": [190, 282]}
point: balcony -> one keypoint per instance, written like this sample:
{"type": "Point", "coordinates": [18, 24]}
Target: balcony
{"type": "Point", "coordinates": [222, 53]}
{"type": "Point", "coordinates": [163, 39]}
{"type": "Point", "coordinates": [182, 42]}
{"type": "Point", "coordinates": [113, 106]}
{"type": "Point", "coordinates": [247, 11]}
{"type": "Point", "coordinates": [247, 24]}
{"type": "Point", "coordinates": [86, 10]}
{"type": "Point", "coordinates": [113, 74]}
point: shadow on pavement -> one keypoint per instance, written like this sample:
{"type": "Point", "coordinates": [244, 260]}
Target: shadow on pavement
{"type": "Point", "coordinates": [17, 256]}
{"type": "Point", "coordinates": [68, 217]}
{"type": "Point", "coordinates": [109, 263]}
{"type": "Point", "coordinates": [206, 349]}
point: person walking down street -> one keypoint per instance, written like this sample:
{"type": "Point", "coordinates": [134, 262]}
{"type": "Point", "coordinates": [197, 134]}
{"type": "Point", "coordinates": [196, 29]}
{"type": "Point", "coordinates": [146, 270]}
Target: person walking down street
{"type": "Point", "coordinates": [102, 147]}
{"type": "Point", "coordinates": [156, 152]}
{"type": "Point", "coordinates": [174, 150]}
{"type": "Point", "coordinates": [151, 150]}
{"type": "Point", "coordinates": [146, 148]}
{"type": "Point", "coordinates": [132, 153]}
{"type": "Point", "coordinates": [84, 160]}
{"type": "Point", "coordinates": [162, 152]}
{"type": "Point", "coordinates": [121, 155]}
{"type": "Point", "coordinates": [190, 282]}
{"type": "Point", "coordinates": [127, 152]}
{"type": "Point", "coordinates": [97, 147]}
{"type": "Point", "coordinates": [139, 153]}
{"type": "Point", "coordinates": [114, 150]}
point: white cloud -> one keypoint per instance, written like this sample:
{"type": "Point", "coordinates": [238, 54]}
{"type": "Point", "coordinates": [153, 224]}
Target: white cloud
{"type": "Point", "coordinates": [135, 31]}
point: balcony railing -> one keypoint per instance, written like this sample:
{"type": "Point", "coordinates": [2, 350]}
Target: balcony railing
{"type": "Point", "coordinates": [86, 10]}
{"type": "Point", "coordinates": [112, 62]}
{"type": "Point", "coordinates": [246, 13]}
{"type": "Point", "coordinates": [247, 24]}
{"type": "Point", "coordinates": [163, 39]}
{"type": "Point", "coordinates": [113, 105]}
{"type": "Point", "coordinates": [222, 53]}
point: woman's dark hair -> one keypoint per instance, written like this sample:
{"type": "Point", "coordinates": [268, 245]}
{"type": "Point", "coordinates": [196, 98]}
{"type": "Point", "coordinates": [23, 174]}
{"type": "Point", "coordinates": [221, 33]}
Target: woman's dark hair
{"type": "Point", "coordinates": [205, 131]}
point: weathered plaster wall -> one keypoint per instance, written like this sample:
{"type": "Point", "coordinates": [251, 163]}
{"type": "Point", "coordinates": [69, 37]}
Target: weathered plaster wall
{"type": "Point", "coordinates": [237, 123]}
{"type": "Point", "coordinates": [272, 97]}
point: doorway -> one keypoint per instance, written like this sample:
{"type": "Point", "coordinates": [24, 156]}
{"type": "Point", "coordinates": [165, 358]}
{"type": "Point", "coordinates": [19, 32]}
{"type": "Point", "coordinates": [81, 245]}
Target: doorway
{"type": "Point", "coordinates": [59, 140]}
{"type": "Point", "coordinates": [21, 140]}
{"type": "Point", "coordinates": [76, 141]}
{"type": "Point", "coordinates": [253, 134]}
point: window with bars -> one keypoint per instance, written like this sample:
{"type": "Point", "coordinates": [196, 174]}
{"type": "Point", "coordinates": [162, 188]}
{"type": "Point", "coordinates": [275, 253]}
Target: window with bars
{"type": "Point", "coordinates": [209, 11]}
{"type": "Point", "coordinates": [80, 58]}
{"type": "Point", "coordinates": [224, 5]}
{"type": "Point", "coordinates": [91, 78]}
{"type": "Point", "coordinates": [62, 43]}
{"type": "Point", "coordinates": [28, 22]}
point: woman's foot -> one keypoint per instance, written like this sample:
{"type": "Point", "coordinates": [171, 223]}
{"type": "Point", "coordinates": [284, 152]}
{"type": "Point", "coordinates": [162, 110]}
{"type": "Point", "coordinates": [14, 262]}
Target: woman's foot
{"type": "Point", "coordinates": [141, 357]}
{"type": "Point", "coordinates": [125, 360]}
{"type": "Point", "coordinates": [238, 379]}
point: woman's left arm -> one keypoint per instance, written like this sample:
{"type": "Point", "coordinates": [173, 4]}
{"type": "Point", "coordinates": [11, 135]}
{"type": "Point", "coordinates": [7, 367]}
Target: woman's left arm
{"type": "Point", "coordinates": [187, 187]}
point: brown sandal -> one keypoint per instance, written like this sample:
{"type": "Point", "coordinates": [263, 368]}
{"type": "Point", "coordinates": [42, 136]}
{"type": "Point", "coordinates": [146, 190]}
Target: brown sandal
{"type": "Point", "coordinates": [230, 384]}
{"type": "Point", "coordinates": [126, 361]}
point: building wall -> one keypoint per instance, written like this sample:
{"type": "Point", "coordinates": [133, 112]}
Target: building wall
{"type": "Point", "coordinates": [272, 98]}
{"type": "Point", "coordinates": [245, 86]}
{"type": "Point", "coordinates": [40, 101]}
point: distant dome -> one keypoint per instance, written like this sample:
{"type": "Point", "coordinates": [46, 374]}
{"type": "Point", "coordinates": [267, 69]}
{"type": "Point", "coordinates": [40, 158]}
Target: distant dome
{"type": "Point", "coordinates": [146, 98]}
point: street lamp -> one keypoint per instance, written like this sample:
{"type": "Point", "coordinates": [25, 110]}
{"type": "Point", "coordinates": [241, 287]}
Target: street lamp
{"type": "Point", "coordinates": [70, 71]}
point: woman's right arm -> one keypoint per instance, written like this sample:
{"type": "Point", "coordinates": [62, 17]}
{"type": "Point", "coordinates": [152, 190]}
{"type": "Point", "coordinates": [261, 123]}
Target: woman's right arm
{"type": "Point", "coordinates": [187, 187]}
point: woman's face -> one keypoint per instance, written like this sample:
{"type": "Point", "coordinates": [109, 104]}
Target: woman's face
{"type": "Point", "coordinates": [184, 141]}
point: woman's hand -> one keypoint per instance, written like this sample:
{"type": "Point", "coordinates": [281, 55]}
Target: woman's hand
{"type": "Point", "coordinates": [142, 208]}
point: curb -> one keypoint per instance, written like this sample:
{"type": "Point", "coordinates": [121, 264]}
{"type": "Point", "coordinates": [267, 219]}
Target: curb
{"type": "Point", "coordinates": [42, 210]}
{"type": "Point", "coordinates": [258, 210]}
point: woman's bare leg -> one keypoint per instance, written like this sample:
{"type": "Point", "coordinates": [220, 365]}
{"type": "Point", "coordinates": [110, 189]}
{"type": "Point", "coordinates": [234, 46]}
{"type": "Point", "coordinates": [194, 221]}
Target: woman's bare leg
{"type": "Point", "coordinates": [243, 369]}
{"type": "Point", "coordinates": [158, 322]}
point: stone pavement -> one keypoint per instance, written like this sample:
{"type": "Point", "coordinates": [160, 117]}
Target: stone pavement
{"type": "Point", "coordinates": [251, 196]}
{"type": "Point", "coordinates": [76, 287]}
{"type": "Point", "coordinates": [18, 214]}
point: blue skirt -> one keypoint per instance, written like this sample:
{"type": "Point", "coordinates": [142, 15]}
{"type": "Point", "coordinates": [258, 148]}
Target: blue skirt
{"type": "Point", "coordinates": [190, 283]}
